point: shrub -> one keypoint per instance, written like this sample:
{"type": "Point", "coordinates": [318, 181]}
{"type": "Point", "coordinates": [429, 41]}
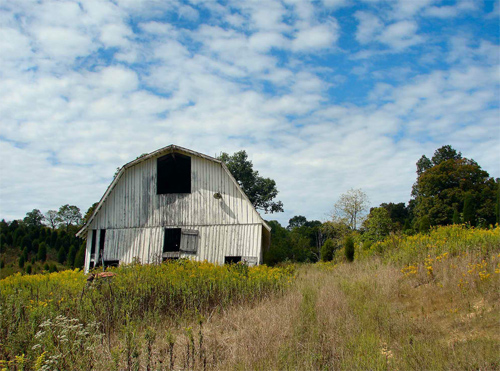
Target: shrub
{"type": "Point", "coordinates": [21, 261]}
{"type": "Point", "coordinates": [28, 269]}
{"type": "Point", "coordinates": [327, 250]}
{"type": "Point", "coordinates": [349, 248]}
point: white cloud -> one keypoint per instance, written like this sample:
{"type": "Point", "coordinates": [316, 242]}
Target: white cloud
{"type": "Point", "coordinates": [368, 28]}
{"type": "Point", "coordinates": [401, 35]}
{"type": "Point", "coordinates": [316, 37]}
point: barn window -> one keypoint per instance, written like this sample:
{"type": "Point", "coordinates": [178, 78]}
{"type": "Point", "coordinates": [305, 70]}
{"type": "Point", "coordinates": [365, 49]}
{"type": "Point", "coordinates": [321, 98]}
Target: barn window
{"type": "Point", "coordinates": [172, 240]}
{"type": "Point", "coordinates": [173, 174]}
{"type": "Point", "coordinates": [232, 259]}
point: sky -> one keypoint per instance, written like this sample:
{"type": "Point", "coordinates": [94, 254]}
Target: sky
{"type": "Point", "coordinates": [324, 96]}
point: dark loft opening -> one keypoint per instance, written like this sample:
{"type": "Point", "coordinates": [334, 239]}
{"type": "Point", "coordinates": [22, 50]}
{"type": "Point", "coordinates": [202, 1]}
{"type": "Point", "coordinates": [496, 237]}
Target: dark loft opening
{"type": "Point", "coordinates": [232, 259]}
{"type": "Point", "coordinates": [172, 240]}
{"type": "Point", "coordinates": [173, 174]}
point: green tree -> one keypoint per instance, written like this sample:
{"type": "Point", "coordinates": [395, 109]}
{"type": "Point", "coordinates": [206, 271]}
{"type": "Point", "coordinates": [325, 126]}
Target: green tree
{"type": "Point", "coordinates": [260, 191]}
{"type": "Point", "coordinates": [296, 221]}
{"type": "Point", "coordinates": [28, 269]}
{"type": "Point", "coordinates": [21, 261]}
{"type": "Point", "coordinates": [442, 188]}
{"type": "Point", "coordinates": [328, 250]}
{"type": "Point", "coordinates": [469, 210]}
{"type": "Point", "coordinates": [445, 153]}
{"type": "Point", "coordinates": [349, 248]}
{"type": "Point", "coordinates": [61, 255]}
{"type": "Point", "coordinates": [423, 164]}
{"type": "Point", "coordinates": [378, 224]}
{"type": "Point", "coordinates": [34, 218]}
{"type": "Point", "coordinates": [42, 252]}
{"type": "Point", "coordinates": [89, 212]}
{"type": "Point", "coordinates": [456, 216]}
{"type": "Point", "coordinates": [398, 213]}
{"type": "Point", "coordinates": [70, 261]}
{"type": "Point", "coordinates": [350, 207]}
{"type": "Point", "coordinates": [424, 224]}
{"type": "Point", "coordinates": [69, 215]}
{"type": "Point", "coordinates": [80, 257]}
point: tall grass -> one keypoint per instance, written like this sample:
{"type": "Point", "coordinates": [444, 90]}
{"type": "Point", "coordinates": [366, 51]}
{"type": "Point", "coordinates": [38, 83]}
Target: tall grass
{"type": "Point", "coordinates": [146, 293]}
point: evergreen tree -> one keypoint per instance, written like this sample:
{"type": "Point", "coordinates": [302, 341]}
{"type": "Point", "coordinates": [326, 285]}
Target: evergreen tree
{"type": "Point", "coordinates": [456, 216]}
{"type": "Point", "coordinates": [70, 261]}
{"type": "Point", "coordinates": [327, 250]}
{"type": "Point", "coordinates": [42, 252]}
{"type": "Point", "coordinates": [21, 261]}
{"type": "Point", "coordinates": [469, 210]}
{"type": "Point", "coordinates": [349, 248]}
{"type": "Point", "coordinates": [28, 269]}
{"type": "Point", "coordinates": [61, 256]}
{"type": "Point", "coordinates": [80, 257]}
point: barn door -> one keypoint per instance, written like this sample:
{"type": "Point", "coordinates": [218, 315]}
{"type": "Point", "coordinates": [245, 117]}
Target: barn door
{"type": "Point", "coordinates": [189, 241]}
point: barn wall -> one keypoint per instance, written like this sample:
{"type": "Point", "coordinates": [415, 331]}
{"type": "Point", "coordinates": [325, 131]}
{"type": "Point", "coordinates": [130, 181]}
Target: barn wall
{"type": "Point", "coordinates": [134, 203]}
{"type": "Point", "coordinates": [215, 242]}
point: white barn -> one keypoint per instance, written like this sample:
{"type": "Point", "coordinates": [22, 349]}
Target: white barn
{"type": "Point", "coordinates": [174, 203]}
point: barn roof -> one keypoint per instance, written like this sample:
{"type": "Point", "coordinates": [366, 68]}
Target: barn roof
{"type": "Point", "coordinates": [168, 149]}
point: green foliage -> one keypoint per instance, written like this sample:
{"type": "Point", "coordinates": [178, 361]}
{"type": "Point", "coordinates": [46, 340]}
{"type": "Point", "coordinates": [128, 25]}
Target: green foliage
{"type": "Point", "coordinates": [61, 256]}
{"type": "Point", "coordinates": [42, 252]}
{"type": "Point", "coordinates": [349, 248]}
{"type": "Point", "coordinates": [456, 216]}
{"type": "Point", "coordinates": [80, 257]}
{"type": "Point", "coordinates": [21, 261]}
{"type": "Point", "coordinates": [296, 221]}
{"type": "Point", "coordinates": [2, 263]}
{"type": "Point", "coordinates": [28, 269]}
{"type": "Point", "coordinates": [52, 311]}
{"type": "Point", "coordinates": [327, 250]}
{"type": "Point", "coordinates": [443, 186]}
{"type": "Point", "coordinates": [260, 191]}
{"type": "Point", "coordinates": [70, 261]}
{"type": "Point", "coordinates": [424, 224]}
{"type": "Point", "coordinates": [52, 268]}
{"type": "Point", "coordinates": [469, 209]}
{"type": "Point", "coordinates": [378, 224]}
{"type": "Point", "coordinates": [89, 212]}
{"type": "Point", "coordinates": [34, 219]}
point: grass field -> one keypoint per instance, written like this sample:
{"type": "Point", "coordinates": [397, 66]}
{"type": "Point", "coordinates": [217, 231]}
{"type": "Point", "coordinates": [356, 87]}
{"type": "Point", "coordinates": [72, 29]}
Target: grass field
{"type": "Point", "coordinates": [436, 309]}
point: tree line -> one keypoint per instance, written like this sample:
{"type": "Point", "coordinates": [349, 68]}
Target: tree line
{"type": "Point", "coordinates": [449, 189]}
{"type": "Point", "coordinates": [42, 242]}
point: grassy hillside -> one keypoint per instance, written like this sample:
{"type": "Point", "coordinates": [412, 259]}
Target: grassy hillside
{"type": "Point", "coordinates": [422, 302]}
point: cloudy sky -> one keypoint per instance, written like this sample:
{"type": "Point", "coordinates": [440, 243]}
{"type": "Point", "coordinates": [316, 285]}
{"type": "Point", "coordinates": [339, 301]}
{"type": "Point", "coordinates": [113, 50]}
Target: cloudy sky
{"type": "Point", "coordinates": [324, 96]}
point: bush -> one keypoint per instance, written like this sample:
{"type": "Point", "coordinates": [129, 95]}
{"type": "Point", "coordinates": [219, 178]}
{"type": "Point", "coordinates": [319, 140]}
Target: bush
{"type": "Point", "coordinates": [28, 269]}
{"type": "Point", "coordinates": [327, 250]}
{"type": "Point", "coordinates": [21, 261]}
{"type": "Point", "coordinates": [349, 248]}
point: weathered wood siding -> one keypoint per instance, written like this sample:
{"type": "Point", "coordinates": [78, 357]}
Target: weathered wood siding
{"type": "Point", "coordinates": [133, 203]}
{"type": "Point", "coordinates": [215, 243]}
{"type": "Point", "coordinates": [135, 217]}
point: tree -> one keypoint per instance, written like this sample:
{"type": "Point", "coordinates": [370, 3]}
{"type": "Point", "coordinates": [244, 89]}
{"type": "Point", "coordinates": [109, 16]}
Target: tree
{"type": "Point", "coordinates": [349, 248]}
{"type": "Point", "coordinates": [34, 218]}
{"type": "Point", "coordinates": [423, 164]}
{"type": "Point", "coordinates": [89, 212]}
{"type": "Point", "coordinates": [42, 252]}
{"type": "Point", "coordinates": [378, 224]}
{"type": "Point", "coordinates": [328, 250]}
{"type": "Point", "coordinates": [21, 261]}
{"type": "Point", "coordinates": [70, 260]}
{"type": "Point", "coordinates": [469, 210]}
{"type": "Point", "coordinates": [398, 213]}
{"type": "Point", "coordinates": [296, 221]}
{"type": "Point", "coordinates": [69, 215]}
{"type": "Point", "coordinates": [52, 218]}
{"type": "Point", "coordinates": [61, 256]}
{"type": "Point", "coordinates": [442, 188]}
{"type": "Point", "coordinates": [351, 206]}
{"type": "Point", "coordinates": [456, 216]}
{"type": "Point", "coordinates": [260, 191]}
{"type": "Point", "coordinates": [445, 153]}
{"type": "Point", "coordinates": [80, 257]}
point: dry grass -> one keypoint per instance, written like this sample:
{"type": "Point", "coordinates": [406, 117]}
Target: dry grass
{"type": "Point", "coordinates": [365, 315]}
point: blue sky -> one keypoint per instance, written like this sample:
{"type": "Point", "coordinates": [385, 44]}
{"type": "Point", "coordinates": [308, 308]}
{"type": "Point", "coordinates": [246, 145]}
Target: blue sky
{"type": "Point", "coordinates": [324, 96]}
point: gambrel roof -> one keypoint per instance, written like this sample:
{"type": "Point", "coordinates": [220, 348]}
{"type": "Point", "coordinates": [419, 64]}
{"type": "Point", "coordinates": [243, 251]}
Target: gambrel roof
{"type": "Point", "coordinates": [162, 151]}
